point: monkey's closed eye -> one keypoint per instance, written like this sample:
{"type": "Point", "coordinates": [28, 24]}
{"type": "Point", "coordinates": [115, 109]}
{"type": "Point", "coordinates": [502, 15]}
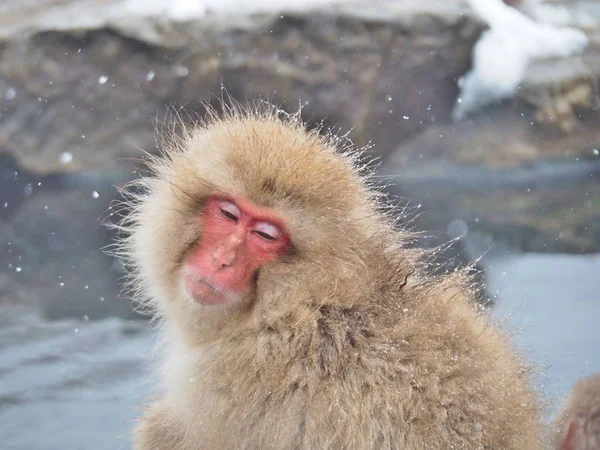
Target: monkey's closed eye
{"type": "Point", "coordinates": [267, 231]}
{"type": "Point", "coordinates": [230, 210]}
{"type": "Point", "coordinates": [229, 215]}
{"type": "Point", "coordinates": [266, 236]}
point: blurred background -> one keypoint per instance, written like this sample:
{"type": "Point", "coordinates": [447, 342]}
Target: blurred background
{"type": "Point", "coordinates": [483, 114]}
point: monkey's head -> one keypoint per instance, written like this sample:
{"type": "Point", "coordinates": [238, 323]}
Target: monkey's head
{"type": "Point", "coordinates": [248, 212]}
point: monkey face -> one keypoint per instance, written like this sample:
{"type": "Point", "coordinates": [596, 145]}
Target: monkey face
{"type": "Point", "coordinates": [237, 239]}
{"type": "Point", "coordinates": [243, 212]}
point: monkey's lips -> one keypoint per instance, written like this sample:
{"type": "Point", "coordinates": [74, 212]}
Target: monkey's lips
{"type": "Point", "coordinates": [203, 291]}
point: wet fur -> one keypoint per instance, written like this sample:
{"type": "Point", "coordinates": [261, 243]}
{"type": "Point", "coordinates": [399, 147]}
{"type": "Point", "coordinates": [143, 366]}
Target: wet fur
{"type": "Point", "coordinates": [346, 343]}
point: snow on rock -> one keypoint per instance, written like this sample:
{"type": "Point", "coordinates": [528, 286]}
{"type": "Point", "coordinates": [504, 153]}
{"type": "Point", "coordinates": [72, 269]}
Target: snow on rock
{"type": "Point", "coordinates": [502, 53]}
{"type": "Point", "coordinates": [180, 10]}
{"type": "Point", "coordinates": [558, 15]}
{"type": "Point", "coordinates": [119, 14]}
{"type": "Point", "coordinates": [174, 9]}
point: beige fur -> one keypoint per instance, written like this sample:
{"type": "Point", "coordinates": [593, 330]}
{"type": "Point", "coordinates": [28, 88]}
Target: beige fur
{"type": "Point", "coordinates": [583, 408]}
{"type": "Point", "coordinates": [345, 342]}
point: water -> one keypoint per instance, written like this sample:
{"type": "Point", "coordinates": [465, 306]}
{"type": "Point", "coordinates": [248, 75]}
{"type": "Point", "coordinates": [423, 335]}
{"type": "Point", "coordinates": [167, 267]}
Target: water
{"type": "Point", "coordinates": [554, 303]}
{"type": "Point", "coordinates": [79, 385]}
{"type": "Point", "coordinates": [71, 384]}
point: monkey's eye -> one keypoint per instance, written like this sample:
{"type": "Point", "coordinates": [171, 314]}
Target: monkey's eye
{"type": "Point", "coordinates": [267, 231]}
{"type": "Point", "coordinates": [230, 210]}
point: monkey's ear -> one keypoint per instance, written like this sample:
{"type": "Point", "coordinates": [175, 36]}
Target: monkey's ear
{"type": "Point", "coordinates": [569, 441]}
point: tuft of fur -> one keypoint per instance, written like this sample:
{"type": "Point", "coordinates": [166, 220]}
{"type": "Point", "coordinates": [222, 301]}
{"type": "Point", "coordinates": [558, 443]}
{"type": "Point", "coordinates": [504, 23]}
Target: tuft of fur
{"type": "Point", "coordinates": [583, 407]}
{"type": "Point", "coordinates": [346, 343]}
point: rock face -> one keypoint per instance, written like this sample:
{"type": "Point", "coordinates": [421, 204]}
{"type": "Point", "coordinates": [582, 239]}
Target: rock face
{"type": "Point", "coordinates": [503, 176]}
{"type": "Point", "coordinates": [94, 92]}
{"type": "Point", "coordinates": [79, 97]}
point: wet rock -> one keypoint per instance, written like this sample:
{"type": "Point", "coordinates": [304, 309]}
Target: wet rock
{"type": "Point", "coordinates": [516, 182]}
{"type": "Point", "coordinates": [51, 256]}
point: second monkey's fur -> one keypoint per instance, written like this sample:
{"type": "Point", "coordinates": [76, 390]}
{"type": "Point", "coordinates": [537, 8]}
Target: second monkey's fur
{"type": "Point", "coordinates": [583, 407]}
{"type": "Point", "coordinates": [345, 343]}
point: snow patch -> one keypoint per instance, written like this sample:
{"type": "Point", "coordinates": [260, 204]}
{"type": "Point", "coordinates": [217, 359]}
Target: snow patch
{"type": "Point", "coordinates": [558, 15]}
{"type": "Point", "coordinates": [178, 10]}
{"type": "Point", "coordinates": [503, 53]}
{"type": "Point", "coordinates": [181, 10]}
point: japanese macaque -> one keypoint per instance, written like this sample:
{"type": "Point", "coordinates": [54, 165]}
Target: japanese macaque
{"type": "Point", "coordinates": [577, 427]}
{"type": "Point", "coordinates": [295, 315]}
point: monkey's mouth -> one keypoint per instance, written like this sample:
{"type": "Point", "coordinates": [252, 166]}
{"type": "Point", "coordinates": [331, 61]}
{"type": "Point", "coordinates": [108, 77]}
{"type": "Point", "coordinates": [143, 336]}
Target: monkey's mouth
{"type": "Point", "coordinates": [203, 292]}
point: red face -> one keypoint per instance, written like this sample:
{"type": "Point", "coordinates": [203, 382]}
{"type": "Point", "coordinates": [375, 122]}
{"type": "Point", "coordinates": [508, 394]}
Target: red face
{"type": "Point", "coordinates": [238, 239]}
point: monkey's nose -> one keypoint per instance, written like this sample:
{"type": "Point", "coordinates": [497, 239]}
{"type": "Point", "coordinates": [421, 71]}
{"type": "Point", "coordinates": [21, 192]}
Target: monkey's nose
{"type": "Point", "coordinates": [224, 257]}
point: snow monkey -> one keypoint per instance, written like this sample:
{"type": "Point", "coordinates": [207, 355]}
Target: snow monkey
{"type": "Point", "coordinates": [294, 313]}
{"type": "Point", "coordinates": [577, 427]}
